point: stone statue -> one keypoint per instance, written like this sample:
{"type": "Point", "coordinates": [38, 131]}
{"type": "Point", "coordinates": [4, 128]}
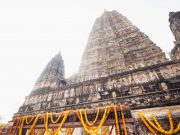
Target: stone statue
{"type": "Point", "coordinates": [174, 19]}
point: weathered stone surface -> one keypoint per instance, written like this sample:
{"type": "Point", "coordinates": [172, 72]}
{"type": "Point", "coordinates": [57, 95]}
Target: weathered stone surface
{"type": "Point", "coordinates": [150, 86]}
{"type": "Point", "coordinates": [116, 45]}
{"type": "Point", "coordinates": [53, 75]}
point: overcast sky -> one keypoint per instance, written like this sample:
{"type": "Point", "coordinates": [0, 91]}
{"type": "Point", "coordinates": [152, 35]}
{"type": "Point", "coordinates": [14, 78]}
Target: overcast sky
{"type": "Point", "coordinates": [32, 32]}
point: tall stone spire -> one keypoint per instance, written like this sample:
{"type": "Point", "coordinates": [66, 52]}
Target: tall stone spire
{"type": "Point", "coordinates": [53, 74]}
{"type": "Point", "coordinates": [116, 45]}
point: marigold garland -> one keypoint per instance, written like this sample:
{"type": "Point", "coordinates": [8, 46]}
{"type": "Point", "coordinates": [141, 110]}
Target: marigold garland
{"type": "Point", "coordinates": [123, 120]}
{"type": "Point", "coordinates": [46, 124]}
{"type": "Point", "coordinates": [21, 126]}
{"type": "Point", "coordinates": [89, 127]}
{"type": "Point", "coordinates": [34, 123]}
{"type": "Point", "coordinates": [56, 131]}
{"type": "Point", "coordinates": [158, 127]}
{"type": "Point", "coordinates": [146, 124]}
{"type": "Point", "coordinates": [177, 129]}
{"type": "Point", "coordinates": [94, 130]}
{"type": "Point", "coordinates": [104, 130]}
{"type": "Point", "coordinates": [55, 121]}
{"type": "Point", "coordinates": [95, 120]}
{"type": "Point", "coordinates": [26, 119]}
{"type": "Point", "coordinates": [117, 120]}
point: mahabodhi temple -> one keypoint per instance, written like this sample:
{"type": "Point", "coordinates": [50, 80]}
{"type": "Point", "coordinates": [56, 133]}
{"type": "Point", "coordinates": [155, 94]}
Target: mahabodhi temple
{"type": "Point", "coordinates": [125, 86]}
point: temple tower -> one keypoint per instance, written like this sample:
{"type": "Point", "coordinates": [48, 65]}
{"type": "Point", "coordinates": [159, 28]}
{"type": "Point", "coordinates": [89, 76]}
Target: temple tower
{"type": "Point", "coordinates": [115, 45]}
{"type": "Point", "coordinates": [53, 75]}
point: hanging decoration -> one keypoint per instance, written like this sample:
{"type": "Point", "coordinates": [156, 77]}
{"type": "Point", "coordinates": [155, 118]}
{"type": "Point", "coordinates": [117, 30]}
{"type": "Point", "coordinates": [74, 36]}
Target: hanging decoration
{"type": "Point", "coordinates": [123, 120]}
{"type": "Point", "coordinates": [157, 126]}
{"type": "Point", "coordinates": [117, 120]}
{"type": "Point", "coordinates": [91, 127]}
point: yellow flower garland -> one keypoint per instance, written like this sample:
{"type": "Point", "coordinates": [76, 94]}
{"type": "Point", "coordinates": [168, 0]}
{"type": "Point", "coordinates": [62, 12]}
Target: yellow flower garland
{"type": "Point", "coordinates": [117, 120]}
{"type": "Point", "coordinates": [95, 120]}
{"type": "Point", "coordinates": [66, 113]}
{"type": "Point", "coordinates": [21, 126]}
{"type": "Point", "coordinates": [177, 129]}
{"type": "Point", "coordinates": [26, 119]}
{"type": "Point", "coordinates": [123, 120]}
{"type": "Point", "coordinates": [55, 121]}
{"type": "Point", "coordinates": [146, 124]}
{"type": "Point", "coordinates": [88, 126]}
{"type": "Point", "coordinates": [95, 130]}
{"type": "Point", "coordinates": [158, 127]}
{"type": "Point", "coordinates": [34, 123]}
{"type": "Point", "coordinates": [56, 131]}
{"type": "Point", "coordinates": [47, 132]}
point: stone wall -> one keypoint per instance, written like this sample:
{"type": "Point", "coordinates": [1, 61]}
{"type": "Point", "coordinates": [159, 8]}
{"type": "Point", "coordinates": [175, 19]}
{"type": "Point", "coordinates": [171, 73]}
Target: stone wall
{"type": "Point", "coordinates": [146, 87]}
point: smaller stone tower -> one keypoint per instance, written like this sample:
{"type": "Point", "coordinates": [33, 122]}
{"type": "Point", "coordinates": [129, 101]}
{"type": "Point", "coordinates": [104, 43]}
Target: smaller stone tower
{"type": "Point", "coordinates": [52, 77]}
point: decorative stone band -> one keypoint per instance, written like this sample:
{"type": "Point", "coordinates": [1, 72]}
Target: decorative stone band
{"type": "Point", "coordinates": [131, 101]}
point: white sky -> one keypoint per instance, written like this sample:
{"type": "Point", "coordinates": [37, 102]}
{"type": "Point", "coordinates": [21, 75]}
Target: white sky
{"type": "Point", "coordinates": [33, 31]}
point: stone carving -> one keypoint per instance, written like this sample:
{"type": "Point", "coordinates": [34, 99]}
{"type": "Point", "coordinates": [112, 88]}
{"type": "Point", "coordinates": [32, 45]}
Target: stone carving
{"type": "Point", "coordinates": [114, 94]}
{"type": "Point", "coordinates": [137, 90]}
{"type": "Point", "coordinates": [164, 86]}
{"type": "Point", "coordinates": [114, 44]}
{"type": "Point", "coordinates": [53, 74]}
{"type": "Point", "coordinates": [49, 97]}
{"type": "Point", "coordinates": [66, 94]}
{"type": "Point", "coordinates": [118, 84]}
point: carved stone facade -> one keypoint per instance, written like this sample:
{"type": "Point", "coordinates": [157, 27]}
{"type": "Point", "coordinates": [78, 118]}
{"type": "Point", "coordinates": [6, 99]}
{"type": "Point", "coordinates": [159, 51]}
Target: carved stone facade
{"type": "Point", "coordinates": [120, 65]}
{"type": "Point", "coordinates": [53, 75]}
{"type": "Point", "coordinates": [116, 45]}
{"type": "Point", "coordinates": [132, 88]}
